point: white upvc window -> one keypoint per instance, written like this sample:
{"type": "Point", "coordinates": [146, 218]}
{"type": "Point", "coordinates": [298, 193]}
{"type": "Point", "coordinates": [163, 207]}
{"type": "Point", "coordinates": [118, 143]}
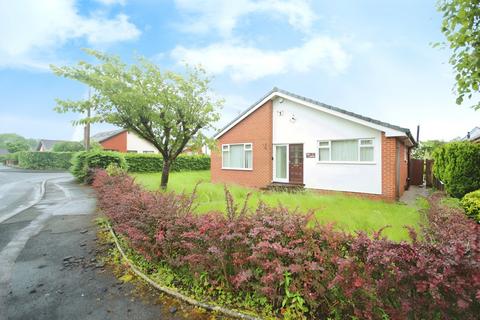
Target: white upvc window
{"type": "Point", "coordinates": [345, 151]}
{"type": "Point", "coordinates": [238, 156]}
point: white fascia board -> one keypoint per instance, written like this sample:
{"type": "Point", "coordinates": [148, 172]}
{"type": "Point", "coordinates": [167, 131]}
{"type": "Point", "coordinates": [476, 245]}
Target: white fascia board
{"type": "Point", "coordinates": [258, 105]}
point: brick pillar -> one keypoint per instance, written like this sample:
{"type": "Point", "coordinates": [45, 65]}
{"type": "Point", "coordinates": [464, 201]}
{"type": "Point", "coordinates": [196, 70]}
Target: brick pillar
{"type": "Point", "coordinates": [389, 153]}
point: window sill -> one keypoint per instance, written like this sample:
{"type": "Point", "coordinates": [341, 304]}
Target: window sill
{"type": "Point", "coordinates": [238, 169]}
{"type": "Point", "coordinates": [347, 162]}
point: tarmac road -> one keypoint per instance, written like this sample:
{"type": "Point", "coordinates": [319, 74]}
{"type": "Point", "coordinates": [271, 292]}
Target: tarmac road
{"type": "Point", "coordinates": [47, 255]}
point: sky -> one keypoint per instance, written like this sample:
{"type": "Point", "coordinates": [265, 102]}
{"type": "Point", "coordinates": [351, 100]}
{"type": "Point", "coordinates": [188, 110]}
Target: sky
{"type": "Point", "coordinates": [370, 57]}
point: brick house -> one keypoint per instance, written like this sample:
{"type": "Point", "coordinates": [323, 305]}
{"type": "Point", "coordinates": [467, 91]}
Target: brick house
{"type": "Point", "coordinates": [123, 141]}
{"type": "Point", "coordinates": [287, 139]}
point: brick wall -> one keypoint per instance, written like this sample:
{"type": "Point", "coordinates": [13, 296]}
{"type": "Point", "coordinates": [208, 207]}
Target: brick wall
{"type": "Point", "coordinates": [389, 167]}
{"type": "Point", "coordinates": [257, 129]}
{"type": "Point", "coordinates": [389, 147]}
{"type": "Point", "coordinates": [403, 167]}
{"type": "Point", "coordinates": [117, 142]}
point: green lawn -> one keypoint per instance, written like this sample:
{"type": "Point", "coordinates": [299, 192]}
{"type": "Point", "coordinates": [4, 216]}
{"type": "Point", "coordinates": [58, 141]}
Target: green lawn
{"type": "Point", "coordinates": [349, 213]}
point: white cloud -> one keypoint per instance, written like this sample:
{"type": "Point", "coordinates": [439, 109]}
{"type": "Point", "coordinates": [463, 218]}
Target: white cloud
{"type": "Point", "coordinates": [112, 2]}
{"type": "Point", "coordinates": [223, 16]}
{"type": "Point", "coordinates": [30, 28]}
{"type": "Point", "coordinates": [245, 63]}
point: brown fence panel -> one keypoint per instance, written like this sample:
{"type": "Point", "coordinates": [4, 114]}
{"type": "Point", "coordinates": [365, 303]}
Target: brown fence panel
{"type": "Point", "coordinates": [416, 172]}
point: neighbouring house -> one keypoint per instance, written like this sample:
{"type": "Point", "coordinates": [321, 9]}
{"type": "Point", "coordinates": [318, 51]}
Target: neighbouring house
{"type": "Point", "coordinates": [123, 141]}
{"type": "Point", "coordinates": [473, 135]}
{"type": "Point", "coordinates": [47, 145]}
{"type": "Point", "coordinates": [287, 139]}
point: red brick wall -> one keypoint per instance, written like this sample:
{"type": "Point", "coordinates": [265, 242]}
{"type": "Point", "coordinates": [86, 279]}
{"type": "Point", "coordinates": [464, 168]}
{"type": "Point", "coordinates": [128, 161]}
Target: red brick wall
{"type": "Point", "coordinates": [389, 167]}
{"type": "Point", "coordinates": [257, 129]}
{"type": "Point", "coordinates": [117, 142]}
{"type": "Point", "coordinates": [403, 167]}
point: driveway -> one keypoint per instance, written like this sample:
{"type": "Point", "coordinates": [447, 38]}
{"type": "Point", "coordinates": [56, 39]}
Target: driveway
{"type": "Point", "coordinates": [48, 250]}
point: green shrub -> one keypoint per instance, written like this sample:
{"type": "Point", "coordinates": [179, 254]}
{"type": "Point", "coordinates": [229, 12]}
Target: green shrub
{"type": "Point", "coordinates": [68, 146]}
{"type": "Point", "coordinates": [44, 160]}
{"type": "Point", "coordinates": [457, 165]}
{"type": "Point", "coordinates": [138, 162]}
{"type": "Point", "coordinates": [154, 162]}
{"type": "Point", "coordinates": [85, 161]}
{"type": "Point", "coordinates": [471, 203]}
{"type": "Point", "coordinates": [9, 156]}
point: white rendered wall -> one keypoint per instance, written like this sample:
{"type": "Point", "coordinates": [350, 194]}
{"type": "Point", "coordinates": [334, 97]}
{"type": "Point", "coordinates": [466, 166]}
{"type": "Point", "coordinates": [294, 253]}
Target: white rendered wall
{"type": "Point", "coordinates": [309, 127]}
{"type": "Point", "coordinates": [135, 143]}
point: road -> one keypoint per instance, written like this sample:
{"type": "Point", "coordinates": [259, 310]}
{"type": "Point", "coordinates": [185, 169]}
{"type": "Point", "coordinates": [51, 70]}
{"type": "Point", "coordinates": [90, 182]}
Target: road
{"type": "Point", "coordinates": [48, 252]}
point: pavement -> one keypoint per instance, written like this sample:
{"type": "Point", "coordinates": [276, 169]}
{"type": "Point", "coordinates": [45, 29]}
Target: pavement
{"type": "Point", "coordinates": [49, 256]}
{"type": "Point", "coordinates": [411, 195]}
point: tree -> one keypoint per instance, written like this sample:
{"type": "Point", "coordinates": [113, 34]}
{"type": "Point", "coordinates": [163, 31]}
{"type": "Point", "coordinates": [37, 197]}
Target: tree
{"type": "Point", "coordinates": [13, 137]}
{"type": "Point", "coordinates": [17, 146]}
{"type": "Point", "coordinates": [461, 27]}
{"type": "Point", "coordinates": [165, 108]}
{"type": "Point", "coordinates": [67, 146]}
{"type": "Point", "coordinates": [425, 149]}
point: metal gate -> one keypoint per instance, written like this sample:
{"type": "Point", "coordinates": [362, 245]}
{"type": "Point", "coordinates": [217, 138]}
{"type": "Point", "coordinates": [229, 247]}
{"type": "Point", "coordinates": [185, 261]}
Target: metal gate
{"type": "Point", "coordinates": [416, 172]}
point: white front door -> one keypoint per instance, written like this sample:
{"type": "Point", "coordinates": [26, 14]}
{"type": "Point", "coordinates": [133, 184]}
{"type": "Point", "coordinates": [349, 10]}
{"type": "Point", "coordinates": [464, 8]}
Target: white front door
{"type": "Point", "coordinates": [280, 163]}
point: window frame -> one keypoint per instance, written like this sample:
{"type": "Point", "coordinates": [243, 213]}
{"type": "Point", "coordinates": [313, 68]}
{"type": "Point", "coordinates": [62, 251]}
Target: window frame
{"type": "Point", "coordinates": [245, 144]}
{"type": "Point", "coordinates": [359, 146]}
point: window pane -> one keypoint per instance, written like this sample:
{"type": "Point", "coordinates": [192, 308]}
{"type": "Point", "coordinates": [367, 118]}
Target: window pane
{"type": "Point", "coordinates": [281, 162]}
{"type": "Point", "coordinates": [236, 156]}
{"type": "Point", "coordinates": [225, 163]}
{"type": "Point", "coordinates": [366, 154]}
{"type": "Point", "coordinates": [345, 150]}
{"type": "Point", "coordinates": [323, 154]}
{"type": "Point", "coordinates": [248, 159]}
{"type": "Point", "coordinates": [248, 146]}
{"type": "Point", "coordinates": [323, 143]}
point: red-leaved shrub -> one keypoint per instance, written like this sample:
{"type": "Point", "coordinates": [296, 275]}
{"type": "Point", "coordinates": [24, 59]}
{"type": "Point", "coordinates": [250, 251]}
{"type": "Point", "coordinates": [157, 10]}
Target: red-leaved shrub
{"type": "Point", "coordinates": [436, 275]}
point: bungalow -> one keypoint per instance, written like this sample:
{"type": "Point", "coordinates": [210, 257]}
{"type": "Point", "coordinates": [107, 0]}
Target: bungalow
{"type": "Point", "coordinates": [123, 141]}
{"type": "Point", "coordinates": [287, 139]}
{"type": "Point", "coordinates": [47, 145]}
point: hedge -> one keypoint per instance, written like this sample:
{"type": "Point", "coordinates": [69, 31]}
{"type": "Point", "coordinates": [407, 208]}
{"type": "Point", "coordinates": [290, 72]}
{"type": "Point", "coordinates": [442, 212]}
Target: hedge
{"type": "Point", "coordinates": [84, 161]}
{"type": "Point", "coordinates": [457, 165]}
{"type": "Point", "coordinates": [154, 162]}
{"type": "Point", "coordinates": [9, 156]}
{"type": "Point", "coordinates": [274, 260]}
{"type": "Point", "coordinates": [471, 203]}
{"type": "Point", "coordinates": [44, 160]}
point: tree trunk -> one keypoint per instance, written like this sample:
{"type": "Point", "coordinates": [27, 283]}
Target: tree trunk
{"type": "Point", "coordinates": [165, 174]}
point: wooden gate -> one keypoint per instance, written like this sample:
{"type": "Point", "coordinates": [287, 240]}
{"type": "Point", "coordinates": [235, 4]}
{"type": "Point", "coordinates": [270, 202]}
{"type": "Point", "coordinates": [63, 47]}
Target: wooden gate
{"type": "Point", "coordinates": [416, 172]}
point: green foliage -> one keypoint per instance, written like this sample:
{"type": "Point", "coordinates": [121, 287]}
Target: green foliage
{"type": "Point", "coordinates": [457, 164]}
{"type": "Point", "coordinates": [425, 149]}
{"type": "Point", "coordinates": [44, 160]}
{"type": "Point", "coordinates": [166, 109]}
{"type": "Point", "coordinates": [9, 156]}
{"type": "Point", "coordinates": [347, 213]}
{"type": "Point", "coordinates": [154, 162]}
{"type": "Point", "coordinates": [461, 27]}
{"type": "Point", "coordinates": [13, 137]}
{"type": "Point", "coordinates": [17, 146]}
{"type": "Point", "coordinates": [67, 146]}
{"type": "Point", "coordinates": [85, 161]}
{"type": "Point", "coordinates": [471, 203]}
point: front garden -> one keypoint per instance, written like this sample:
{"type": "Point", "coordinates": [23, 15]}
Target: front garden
{"type": "Point", "coordinates": [348, 213]}
{"type": "Point", "coordinates": [273, 262]}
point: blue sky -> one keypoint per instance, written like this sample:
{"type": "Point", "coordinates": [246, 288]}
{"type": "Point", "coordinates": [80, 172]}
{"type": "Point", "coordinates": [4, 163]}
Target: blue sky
{"type": "Point", "coordinates": [370, 57]}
